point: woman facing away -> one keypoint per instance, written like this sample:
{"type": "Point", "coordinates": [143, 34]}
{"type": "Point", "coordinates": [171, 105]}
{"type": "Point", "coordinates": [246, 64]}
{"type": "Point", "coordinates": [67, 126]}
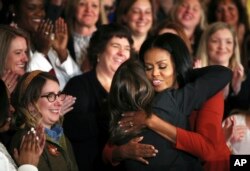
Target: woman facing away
{"type": "Point", "coordinates": [173, 103]}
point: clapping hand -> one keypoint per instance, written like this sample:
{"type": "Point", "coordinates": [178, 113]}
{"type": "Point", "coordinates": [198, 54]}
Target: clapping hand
{"type": "Point", "coordinates": [42, 37]}
{"type": "Point", "coordinates": [31, 147]}
{"type": "Point", "coordinates": [67, 104]}
{"type": "Point", "coordinates": [238, 77]}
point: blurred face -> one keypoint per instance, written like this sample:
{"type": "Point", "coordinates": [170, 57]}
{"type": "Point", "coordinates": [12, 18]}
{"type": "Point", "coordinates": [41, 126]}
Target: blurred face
{"type": "Point", "coordinates": [117, 51]}
{"type": "Point", "coordinates": [87, 12]}
{"type": "Point", "coordinates": [228, 13]}
{"type": "Point", "coordinates": [17, 56]}
{"type": "Point", "coordinates": [189, 13]}
{"type": "Point", "coordinates": [32, 12]}
{"type": "Point", "coordinates": [140, 17]}
{"type": "Point", "coordinates": [220, 47]}
{"type": "Point", "coordinates": [50, 111]}
{"type": "Point", "coordinates": [159, 69]}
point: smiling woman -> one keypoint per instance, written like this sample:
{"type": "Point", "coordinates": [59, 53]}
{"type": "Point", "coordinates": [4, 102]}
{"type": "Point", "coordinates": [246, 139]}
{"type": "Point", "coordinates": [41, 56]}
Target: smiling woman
{"type": "Point", "coordinates": [39, 106]}
{"type": "Point", "coordinates": [139, 17]}
{"type": "Point", "coordinates": [109, 47]}
{"type": "Point", "coordinates": [14, 45]}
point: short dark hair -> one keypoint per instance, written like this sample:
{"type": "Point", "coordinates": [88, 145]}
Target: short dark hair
{"type": "Point", "coordinates": [130, 91]}
{"type": "Point", "coordinates": [173, 44]}
{"type": "Point", "coordinates": [102, 36]}
{"type": "Point", "coordinates": [4, 103]}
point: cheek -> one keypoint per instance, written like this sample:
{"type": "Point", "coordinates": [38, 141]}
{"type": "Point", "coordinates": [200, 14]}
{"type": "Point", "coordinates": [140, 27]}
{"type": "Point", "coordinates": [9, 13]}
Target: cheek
{"type": "Point", "coordinates": [132, 18]}
{"type": "Point", "coordinates": [43, 105]}
{"type": "Point", "coordinates": [10, 61]}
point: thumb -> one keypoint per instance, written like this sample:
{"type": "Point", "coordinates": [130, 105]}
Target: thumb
{"type": "Point", "coordinates": [16, 154]}
{"type": "Point", "coordinates": [137, 139]}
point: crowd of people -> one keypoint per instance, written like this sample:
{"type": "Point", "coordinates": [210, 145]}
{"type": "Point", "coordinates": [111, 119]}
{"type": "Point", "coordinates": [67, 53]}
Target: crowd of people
{"type": "Point", "coordinates": [124, 85]}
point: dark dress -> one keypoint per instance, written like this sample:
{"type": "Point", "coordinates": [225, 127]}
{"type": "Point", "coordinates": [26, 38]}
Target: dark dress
{"type": "Point", "coordinates": [175, 106]}
{"type": "Point", "coordinates": [87, 125]}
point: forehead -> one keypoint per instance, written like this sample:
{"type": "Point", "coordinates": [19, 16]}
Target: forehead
{"type": "Point", "coordinates": [119, 40]}
{"type": "Point", "coordinates": [138, 3]}
{"type": "Point", "coordinates": [226, 3]}
{"type": "Point", "coordinates": [224, 32]}
{"type": "Point", "coordinates": [156, 55]}
{"type": "Point", "coordinates": [18, 40]}
{"type": "Point", "coordinates": [95, 1]}
{"type": "Point", "coordinates": [50, 86]}
{"type": "Point", "coordinates": [36, 2]}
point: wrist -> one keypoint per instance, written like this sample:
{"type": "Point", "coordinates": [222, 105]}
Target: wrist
{"type": "Point", "coordinates": [150, 121]}
{"type": "Point", "coordinates": [62, 54]}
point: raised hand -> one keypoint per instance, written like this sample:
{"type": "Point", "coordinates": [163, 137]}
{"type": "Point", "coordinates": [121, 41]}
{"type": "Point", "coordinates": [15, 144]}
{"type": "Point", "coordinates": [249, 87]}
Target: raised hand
{"type": "Point", "coordinates": [42, 37]}
{"type": "Point", "coordinates": [31, 147]}
{"type": "Point", "coordinates": [67, 104]}
{"type": "Point", "coordinates": [61, 39]}
{"type": "Point", "coordinates": [238, 77]}
{"type": "Point", "coordinates": [233, 133]}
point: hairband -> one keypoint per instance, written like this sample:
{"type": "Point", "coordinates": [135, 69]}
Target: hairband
{"type": "Point", "coordinates": [29, 78]}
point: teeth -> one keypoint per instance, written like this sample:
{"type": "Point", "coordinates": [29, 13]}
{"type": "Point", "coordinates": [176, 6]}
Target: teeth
{"type": "Point", "coordinates": [54, 110]}
{"type": "Point", "coordinates": [119, 60]}
{"type": "Point", "coordinates": [21, 65]}
{"type": "Point", "coordinates": [37, 20]}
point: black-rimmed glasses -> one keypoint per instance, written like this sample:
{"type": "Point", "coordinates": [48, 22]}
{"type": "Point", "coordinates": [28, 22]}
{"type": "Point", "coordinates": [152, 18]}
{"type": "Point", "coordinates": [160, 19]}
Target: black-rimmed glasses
{"type": "Point", "coordinates": [52, 96]}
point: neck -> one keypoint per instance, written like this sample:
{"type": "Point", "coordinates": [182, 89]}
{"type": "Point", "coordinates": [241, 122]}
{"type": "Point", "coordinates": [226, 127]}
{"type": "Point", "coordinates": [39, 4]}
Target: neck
{"type": "Point", "coordinates": [104, 77]}
{"type": "Point", "coordinates": [84, 30]}
{"type": "Point", "coordinates": [189, 32]}
{"type": "Point", "coordinates": [225, 64]}
{"type": "Point", "coordinates": [138, 40]}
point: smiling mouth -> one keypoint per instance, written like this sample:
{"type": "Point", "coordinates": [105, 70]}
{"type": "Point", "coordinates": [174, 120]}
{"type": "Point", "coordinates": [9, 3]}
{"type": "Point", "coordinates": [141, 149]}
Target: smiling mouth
{"type": "Point", "coordinates": [156, 82]}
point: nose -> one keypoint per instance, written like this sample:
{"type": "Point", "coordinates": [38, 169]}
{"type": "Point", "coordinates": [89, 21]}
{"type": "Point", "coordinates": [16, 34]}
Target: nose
{"type": "Point", "coordinates": [25, 58]}
{"type": "Point", "coordinates": [87, 7]}
{"type": "Point", "coordinates": [40, 12]}
{"type": "Point", "coordinates": [221, 44]}
{"type": "Point", "coordinates": [155, 72]}
{"type": "Point", "coordinates": [122, 51]}
{"type": "Point", "coordinates": [188, 8]}
{"type": "Point", "coordinates": [142, 15]}
{"type": "Point", "coordinates": [58, 102]}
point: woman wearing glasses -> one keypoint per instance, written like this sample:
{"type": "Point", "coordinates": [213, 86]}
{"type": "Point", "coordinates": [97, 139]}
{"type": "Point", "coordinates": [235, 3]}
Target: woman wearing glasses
{"type": "Point", "coordinates": [38, 100]}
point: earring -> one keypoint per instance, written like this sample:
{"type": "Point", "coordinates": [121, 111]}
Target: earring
{"type": "Point", "coordinates": [13, 24]}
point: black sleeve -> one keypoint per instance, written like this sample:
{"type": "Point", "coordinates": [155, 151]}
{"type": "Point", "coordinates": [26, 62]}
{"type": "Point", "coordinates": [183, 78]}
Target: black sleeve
{"type": "Point", "coordinates": [207, 81]}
